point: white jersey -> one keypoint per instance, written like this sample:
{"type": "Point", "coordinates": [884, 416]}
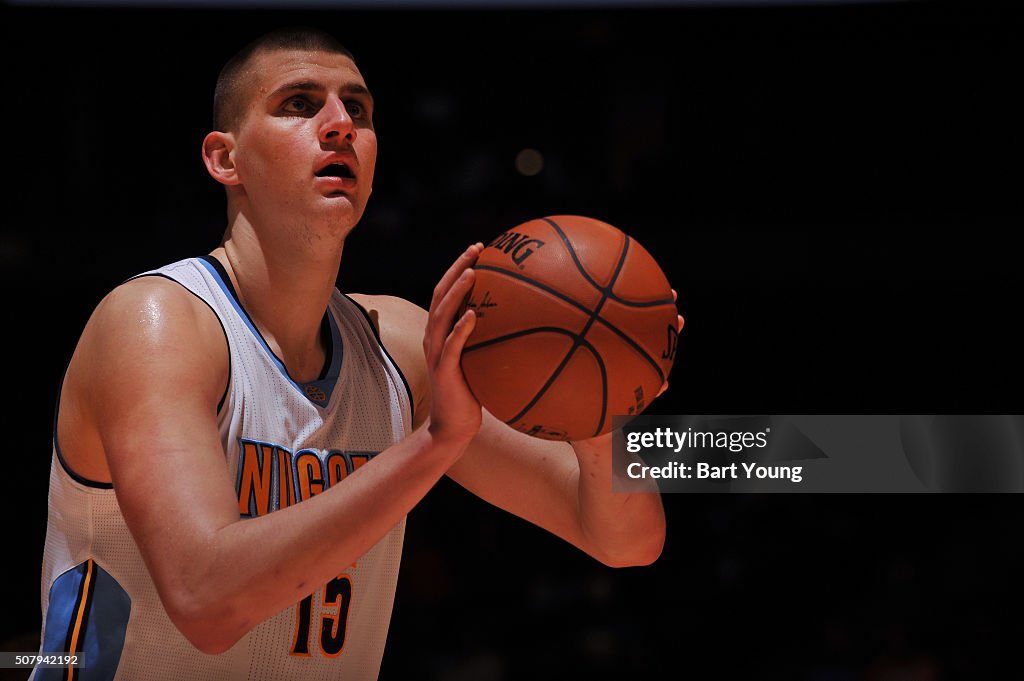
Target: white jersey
{"type": "Point", "coordinates": [283, 442]}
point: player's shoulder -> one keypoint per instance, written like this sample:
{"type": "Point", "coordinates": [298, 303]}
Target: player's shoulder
{"type": "Point", "coordinates": [150, 313]}
{"type": "Point", "coordinates": [392, 304]}
{"type": "Point", "coordinates": [148, 331]}
{"type": "Point", "coordinates": [151, 301]}
{"type": "Point", "coordinates": [391, 314]}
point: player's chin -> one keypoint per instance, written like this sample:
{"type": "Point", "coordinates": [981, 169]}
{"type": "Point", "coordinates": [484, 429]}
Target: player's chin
{"type": "Point", "coordinates": [343, 209]}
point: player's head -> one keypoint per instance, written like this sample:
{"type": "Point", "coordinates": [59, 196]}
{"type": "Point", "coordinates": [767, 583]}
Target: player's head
{"type": "Point", "coordinates": [236, 81]}
{"type": "Point", "coordinates": [293, 142]}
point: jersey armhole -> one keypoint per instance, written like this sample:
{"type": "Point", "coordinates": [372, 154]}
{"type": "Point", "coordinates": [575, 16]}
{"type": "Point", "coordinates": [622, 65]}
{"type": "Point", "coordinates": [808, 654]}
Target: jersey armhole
{"type": "Point", "coordinates": [72, 473]}
{"type": "Point", "coordinates": [60, 388]}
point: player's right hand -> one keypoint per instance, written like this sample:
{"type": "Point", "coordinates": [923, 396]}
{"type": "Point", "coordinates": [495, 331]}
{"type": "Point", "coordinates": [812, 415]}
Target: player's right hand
{"type": "Point", "coordinates": [455, 413]}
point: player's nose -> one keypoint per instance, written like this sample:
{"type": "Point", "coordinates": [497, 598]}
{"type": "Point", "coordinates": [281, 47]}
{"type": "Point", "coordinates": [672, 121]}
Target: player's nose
{"type": "Point", "coordinates": [336, 122]}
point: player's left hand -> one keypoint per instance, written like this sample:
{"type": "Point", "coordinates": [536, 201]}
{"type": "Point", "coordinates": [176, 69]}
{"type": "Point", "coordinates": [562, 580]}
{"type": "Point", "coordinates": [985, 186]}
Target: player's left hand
{"type": "Point", "coordinates": [602, 443]}
{"type": "Point", "coordinates": [679, 329]}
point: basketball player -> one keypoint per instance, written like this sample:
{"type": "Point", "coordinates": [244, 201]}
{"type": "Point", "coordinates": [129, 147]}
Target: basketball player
{"type": "Point", "coordinates": [237, 443]}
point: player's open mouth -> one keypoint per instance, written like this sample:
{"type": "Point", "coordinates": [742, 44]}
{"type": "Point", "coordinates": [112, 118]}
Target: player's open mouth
{"type": "Point", "coordinates": [339, 170]}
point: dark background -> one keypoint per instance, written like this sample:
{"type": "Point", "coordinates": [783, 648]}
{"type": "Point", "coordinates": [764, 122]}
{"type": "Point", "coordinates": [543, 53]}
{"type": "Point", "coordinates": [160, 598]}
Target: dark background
{"type": "Point", "coordinates": [832, 190]}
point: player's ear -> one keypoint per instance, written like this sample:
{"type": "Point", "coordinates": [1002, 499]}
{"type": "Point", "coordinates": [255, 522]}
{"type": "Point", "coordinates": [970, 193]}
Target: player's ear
{"type": "Point", "coordinates": [219, 157]}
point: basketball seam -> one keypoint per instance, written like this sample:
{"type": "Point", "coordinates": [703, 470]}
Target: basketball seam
{"type": "Point", "coordinates": [561, 296]}
{"type": "Point", "coordinates": [597, 315]}
{"type": "Point", "coordinates": [594, 315]}
{"type": "Point", "coordinates": [586, 275]}
{"type": "Point", "coordinates": [578, 342]}
{"type": "Point", "coordinates": [572, 254]}
{"type": "Point", "coordinates": [535, 284]}
{"type": "Point", "coordinates": [519, 334]}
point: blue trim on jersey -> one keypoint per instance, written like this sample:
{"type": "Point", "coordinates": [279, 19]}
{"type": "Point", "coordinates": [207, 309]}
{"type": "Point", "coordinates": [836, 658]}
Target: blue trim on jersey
{"type": "Point", "coordinates": [376, 334]}
{"type": "Point", "coordinates": [100, 609]}
{"type": "Point", "coordinates": [244, 316]}
{"type": "Point", "coordinates": [214, 267]}
{"type": "Point", "coordinates": [325, 384]}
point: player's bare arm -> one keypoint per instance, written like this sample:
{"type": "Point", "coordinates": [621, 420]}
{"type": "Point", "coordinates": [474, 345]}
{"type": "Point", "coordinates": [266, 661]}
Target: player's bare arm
{"type": "Point", "coordinates": [140, 410]}
{"type": "Point", "coordinates": [563, 488]}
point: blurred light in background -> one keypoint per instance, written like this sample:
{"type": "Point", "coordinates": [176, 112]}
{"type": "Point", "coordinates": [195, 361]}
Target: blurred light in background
{"type": "Point", "coordinates": [529, 162]}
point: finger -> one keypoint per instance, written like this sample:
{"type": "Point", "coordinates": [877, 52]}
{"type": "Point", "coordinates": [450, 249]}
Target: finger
{"type": "Point", "coordinates": [432, 341]}
{"type": "Point", "coordinates": [680, 322]}
{"type": "Point", "coordinates": [675, 295]}
{"type": "Point", "coordinates": [464, 261]}
{"type": "Point", "coordinates": [447, 310]}
{"type": "Point", "coordinates": [664, 387]}
{"type": "Point", "coordinates": [442, 316]}
{"type": "Point", "coordinates": [451, 354]}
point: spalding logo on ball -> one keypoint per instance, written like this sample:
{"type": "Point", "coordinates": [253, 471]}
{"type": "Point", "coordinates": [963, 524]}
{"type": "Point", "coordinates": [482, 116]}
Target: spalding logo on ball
{"type": "Point", "coordinates": [575, 324]}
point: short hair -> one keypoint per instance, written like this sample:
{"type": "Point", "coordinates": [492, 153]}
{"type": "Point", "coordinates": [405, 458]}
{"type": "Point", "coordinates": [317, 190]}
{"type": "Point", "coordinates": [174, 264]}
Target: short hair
{"type": "Point", "coordinates": [229, 96]}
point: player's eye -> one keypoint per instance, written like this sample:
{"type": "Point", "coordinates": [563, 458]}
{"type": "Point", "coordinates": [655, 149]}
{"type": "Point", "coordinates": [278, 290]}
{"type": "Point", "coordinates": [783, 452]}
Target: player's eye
{"type": "Point", "coordinates": [298, 105]}
{"type": "Point", "coordinates": [355, 109]}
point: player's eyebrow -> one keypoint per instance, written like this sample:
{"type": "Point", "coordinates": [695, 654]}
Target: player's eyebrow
{"type": "Point", "coordinates": [357, 89]}
{"type": "Point", "coordinates": [313, 86]}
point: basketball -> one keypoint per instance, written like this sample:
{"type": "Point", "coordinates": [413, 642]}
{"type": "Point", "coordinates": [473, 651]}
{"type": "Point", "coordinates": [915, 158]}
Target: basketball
{"type": "Point", "coordinates": [576, 323]}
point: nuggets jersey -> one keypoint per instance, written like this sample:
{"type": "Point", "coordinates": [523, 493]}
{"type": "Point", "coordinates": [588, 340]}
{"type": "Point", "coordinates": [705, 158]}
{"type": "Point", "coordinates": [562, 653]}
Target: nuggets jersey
{"type": "Point", "coordinates": [283, 442]}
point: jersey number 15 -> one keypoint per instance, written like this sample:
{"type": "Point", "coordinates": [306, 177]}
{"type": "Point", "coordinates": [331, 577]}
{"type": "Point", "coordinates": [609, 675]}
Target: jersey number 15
{"type": "Point", "coordinates": [338, 592]}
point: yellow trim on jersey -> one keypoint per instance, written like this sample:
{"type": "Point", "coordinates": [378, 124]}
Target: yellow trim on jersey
{"type": "Point", "coordinates": [83, 607]}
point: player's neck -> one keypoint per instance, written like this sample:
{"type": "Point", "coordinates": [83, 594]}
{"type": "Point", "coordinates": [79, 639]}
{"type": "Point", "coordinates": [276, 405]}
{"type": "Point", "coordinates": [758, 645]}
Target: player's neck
{"type": "Point", "coordinates": [285, 291]}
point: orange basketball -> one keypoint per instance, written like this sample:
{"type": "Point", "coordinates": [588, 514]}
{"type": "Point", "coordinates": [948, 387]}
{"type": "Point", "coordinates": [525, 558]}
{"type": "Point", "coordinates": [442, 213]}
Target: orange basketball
{"type": "Point", "coordinates": [575, 324]}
